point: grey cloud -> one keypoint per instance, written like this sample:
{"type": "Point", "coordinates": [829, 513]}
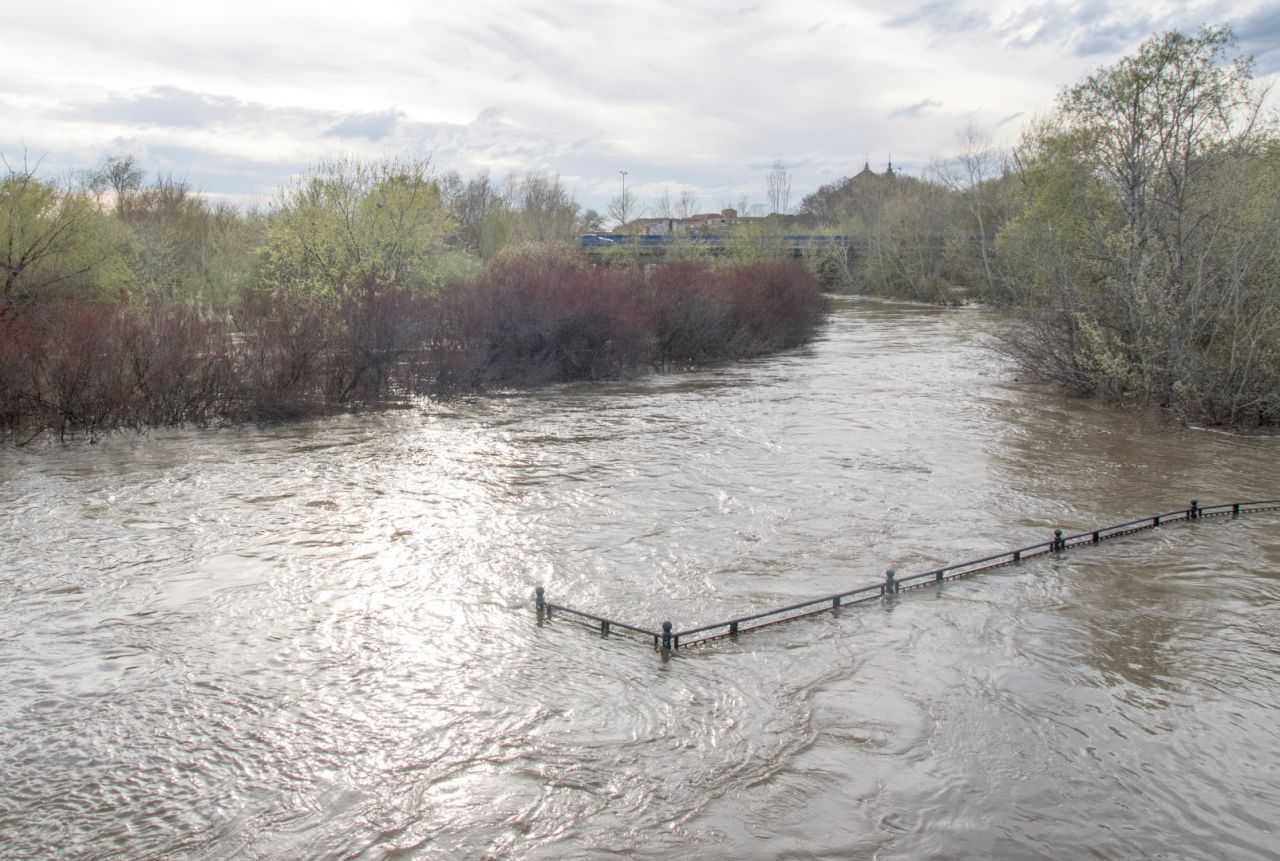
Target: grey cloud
{"type": "Point", "coordinates": [165, 106]}
{"type": "Point", "coordinates": [488, 140]}
{"type": "Point", "coordinates": [1004, 121]}
{"type": "Point", "coordinates": [1259, 35]}
{"type": "Point", "coordinates": [916, 109]}
{"type": "Point", "coordinates": [943, 18]}
{"type": "Point", "coordinates": [213, 172]}
{"type": "Point", "coordinates": [171, 107]}
{"type": "Point", "coordinates": [372, 126]}
{"type": "Point", "coordinates": [1089, 28]}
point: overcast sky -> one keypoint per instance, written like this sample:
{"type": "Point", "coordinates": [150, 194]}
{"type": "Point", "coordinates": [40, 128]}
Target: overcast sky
{"type": "Point", "coordinates": [237, 97]}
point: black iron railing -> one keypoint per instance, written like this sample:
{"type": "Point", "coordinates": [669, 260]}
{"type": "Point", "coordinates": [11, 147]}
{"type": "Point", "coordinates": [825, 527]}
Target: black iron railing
{"type": "Point", "coordinates": [668, 638]}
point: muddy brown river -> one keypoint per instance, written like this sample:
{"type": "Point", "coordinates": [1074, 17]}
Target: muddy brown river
{"type": "Point", "coordinates": [316, 641]}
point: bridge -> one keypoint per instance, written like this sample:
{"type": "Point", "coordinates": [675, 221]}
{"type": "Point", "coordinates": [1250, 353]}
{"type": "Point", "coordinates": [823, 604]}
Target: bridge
{"type": "Point", "coordinates": [601, 247]}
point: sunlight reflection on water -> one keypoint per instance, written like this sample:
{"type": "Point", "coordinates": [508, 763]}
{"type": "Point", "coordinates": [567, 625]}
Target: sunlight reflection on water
{"type": "Point", "coordinates": [316, 640]}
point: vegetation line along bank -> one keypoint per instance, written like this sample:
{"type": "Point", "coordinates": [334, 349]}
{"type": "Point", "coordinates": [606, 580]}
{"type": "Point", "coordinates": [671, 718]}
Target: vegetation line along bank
{"type": "Point", "coordinates": [1133, 234]}
{"type": "Point", "coordinates": [529, 319]}
{"type": "Point", "coordinates": [670, 638]}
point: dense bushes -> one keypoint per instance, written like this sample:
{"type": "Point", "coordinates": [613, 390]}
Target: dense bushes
{"type": "Point", "coordinates": [530, 318]}
{"type": "Point", "coordinates": [1133, 236]}
{"type": "Point", "coordinates": [1143, 264]}
{"type": "Point", "coordinates": [128, 305]}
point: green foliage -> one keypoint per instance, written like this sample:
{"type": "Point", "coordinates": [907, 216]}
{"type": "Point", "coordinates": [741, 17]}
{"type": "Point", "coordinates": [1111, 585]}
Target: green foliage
{"type": "Point", "coordinates": [54, 243]}
{"type": "Point", "coordinates": [898, 227]}
{"type": "Point", "coordinates": [190, 250]}
{"type": "Point", "coordinates": [351, 223]}
{"type": "Point", "coordinates": [1143, 253]}
{"type": "Point", "coordinates": [534, 208]}
{"type": "Point", "coordinates": [751, 243]}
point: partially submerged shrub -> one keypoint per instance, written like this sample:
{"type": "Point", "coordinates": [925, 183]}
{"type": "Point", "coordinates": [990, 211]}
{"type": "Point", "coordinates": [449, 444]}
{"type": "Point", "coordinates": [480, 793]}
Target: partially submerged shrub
{"type": "Point", "coordinates": [538, 317]}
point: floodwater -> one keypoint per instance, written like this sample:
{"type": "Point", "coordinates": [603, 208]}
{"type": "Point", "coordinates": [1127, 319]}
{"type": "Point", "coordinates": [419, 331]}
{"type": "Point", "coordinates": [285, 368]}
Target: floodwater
{"type": "Point", "coordinates": [317, 640]}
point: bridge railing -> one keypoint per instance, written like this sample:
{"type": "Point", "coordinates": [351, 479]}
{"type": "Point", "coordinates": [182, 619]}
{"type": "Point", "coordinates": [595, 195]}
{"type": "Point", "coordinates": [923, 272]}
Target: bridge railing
{"type": "Point", "coordinates": [669, 638]}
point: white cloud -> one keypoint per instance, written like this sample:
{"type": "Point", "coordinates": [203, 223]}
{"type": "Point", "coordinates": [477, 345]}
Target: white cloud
{"type": "Point", "coordinates": [678, 94]}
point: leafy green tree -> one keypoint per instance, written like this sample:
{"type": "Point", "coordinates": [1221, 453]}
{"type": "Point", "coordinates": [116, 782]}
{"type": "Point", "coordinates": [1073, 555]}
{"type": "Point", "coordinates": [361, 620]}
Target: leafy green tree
{"type": "Point", "coordinates": [350, 223]}
{"type": "Point", "coordinates": [54, 243]}
{"type": "Point", "coordinates": [1127, 251]}
{"type": "Point", "coordinates": [189, 250]}
{"type": "Point", "coordinates": [544, 209]}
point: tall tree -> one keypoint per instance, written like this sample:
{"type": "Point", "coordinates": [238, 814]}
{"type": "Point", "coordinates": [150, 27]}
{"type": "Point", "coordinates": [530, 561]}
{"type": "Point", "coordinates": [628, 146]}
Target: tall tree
{"type": "Point", "coordinates": [623, 207]}
{"type": "Point", "coordinates": [54, 242]}
{"type": "Point", "coordinates": [121, 175]}
{"type": "Point", "coordinates": [779, 188]}
{"type": "Point", "coordinates": [1127, 237]}
{"type": "Point", "coordinates": [351, 222]}
{"type": "Point", "coordinates": [687, 207]}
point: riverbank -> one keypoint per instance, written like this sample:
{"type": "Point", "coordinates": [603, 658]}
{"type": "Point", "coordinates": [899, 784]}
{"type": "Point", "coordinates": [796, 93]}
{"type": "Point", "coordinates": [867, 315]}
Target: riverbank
{"type": "Point", "coordinates": [79, 369]}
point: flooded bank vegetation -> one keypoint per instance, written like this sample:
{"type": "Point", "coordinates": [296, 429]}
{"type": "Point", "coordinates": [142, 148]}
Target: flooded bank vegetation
{"type": "Point", "coordinates": [127, 305]}
{"type": "Point", "coordinates": [1133, 234]}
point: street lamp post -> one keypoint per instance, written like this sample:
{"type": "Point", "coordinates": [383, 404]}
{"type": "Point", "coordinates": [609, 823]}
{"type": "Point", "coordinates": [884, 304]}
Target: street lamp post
{"type": "Point", "coordinates": [625, 205]}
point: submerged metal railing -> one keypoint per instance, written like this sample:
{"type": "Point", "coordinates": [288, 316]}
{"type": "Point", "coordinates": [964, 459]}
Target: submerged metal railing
{"type": "Point", "coordinates": [668, 639]}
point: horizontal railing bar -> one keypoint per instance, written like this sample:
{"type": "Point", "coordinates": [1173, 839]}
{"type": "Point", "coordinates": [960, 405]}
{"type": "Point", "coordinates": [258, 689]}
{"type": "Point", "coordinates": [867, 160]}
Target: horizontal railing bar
{"type": "Point", "coordinates": [558, 608]}
{"type": "Point", "coordinates": [814, 612]}
{"type": "Point", "coordinates": [764, 614]}
{"type": "Point", "coordinates": [814, 606]}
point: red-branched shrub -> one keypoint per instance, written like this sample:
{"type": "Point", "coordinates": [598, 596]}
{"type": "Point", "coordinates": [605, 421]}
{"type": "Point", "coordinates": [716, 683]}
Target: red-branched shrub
{"type": "Point", "coordinates": [540, 318]}
{"type": "Point", "coordinates": [529, 319]}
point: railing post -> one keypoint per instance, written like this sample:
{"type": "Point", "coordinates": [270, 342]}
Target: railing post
{"type": "Point", "coordinates": [733, 628]}
{"type": "Point", "coordinates": [835, 603]}
{"type": "Point", "coordinates": [1059, 544]}
{"type": "Point", "coordinates": [539, 600]}
{"type": "Point", "coordinates": [604, 627]}
{"type": "Point", "coordinates": [890, 584]}
{"type": "Point", "coordinates": [1235, 509]}
{"type": "Point", "coordinates": [1095, 536]}
{"type": "Point", "coordinates": [1194, 512]}
{"type": "Point", "coordinates": [666, 636]}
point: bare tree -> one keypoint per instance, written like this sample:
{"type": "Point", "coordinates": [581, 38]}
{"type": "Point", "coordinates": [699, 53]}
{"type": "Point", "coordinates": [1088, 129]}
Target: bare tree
{"type": "Point", "coordinates": [624, 207]}
{"type": "Point", "coordinates": [779, 188]}
{"type": "Point", "coordinates": [977, 163]}
{"type": "Point", "coordinates": [688, 206]}
{"type": "Point", "coordinates": [546, 209]}
{"type": "Point", "coordinates": [119, 174]}
{"type": "Point", "coordinates": [665, 207]}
